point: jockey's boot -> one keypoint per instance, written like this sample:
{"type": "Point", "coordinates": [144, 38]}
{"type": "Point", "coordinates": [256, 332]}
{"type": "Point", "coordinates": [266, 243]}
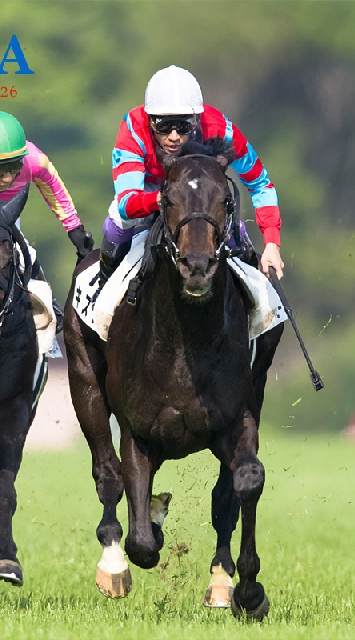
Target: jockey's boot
{"type": "Point", "coordinates": [111, 256]}
{"type": "Point", "coordinates": [38, 274]}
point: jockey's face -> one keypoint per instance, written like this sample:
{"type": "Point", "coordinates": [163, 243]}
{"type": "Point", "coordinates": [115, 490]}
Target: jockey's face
{"type": "Point", "coordinates": [9, 173]}
{"type": "Point", "coordinates": [172, 142]}
{"type": "Point", "coordinates": [6, 180]}
{"type": "Point", "coordinates": [171, 132]}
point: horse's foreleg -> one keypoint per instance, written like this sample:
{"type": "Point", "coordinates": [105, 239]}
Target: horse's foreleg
{"type": "Point", "coordinates": [225, 511]}
{"type": "Point", "coordinates": [87, 372]}
{"type": "Point", "coordinates": [138, 467]}
{"type": "Point", "coordinates": [248, 479]}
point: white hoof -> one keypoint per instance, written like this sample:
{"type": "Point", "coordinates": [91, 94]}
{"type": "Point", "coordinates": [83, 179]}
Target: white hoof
{"type": "Point", "coordinates": [113, 577]}
{"type": "Point", "coordinates": [220, 589]}
{"type": "Point", "coordinates": [159, 508]}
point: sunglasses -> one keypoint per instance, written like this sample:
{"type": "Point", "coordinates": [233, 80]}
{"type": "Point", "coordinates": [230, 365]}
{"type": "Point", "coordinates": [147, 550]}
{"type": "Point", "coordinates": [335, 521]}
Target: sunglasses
{"type": "Point", "coordinates": [165, 125]}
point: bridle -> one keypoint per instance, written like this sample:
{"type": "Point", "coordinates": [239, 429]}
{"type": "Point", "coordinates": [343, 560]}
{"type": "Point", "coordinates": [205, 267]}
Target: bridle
{"type": "Point", "coordinates": [232, 207]}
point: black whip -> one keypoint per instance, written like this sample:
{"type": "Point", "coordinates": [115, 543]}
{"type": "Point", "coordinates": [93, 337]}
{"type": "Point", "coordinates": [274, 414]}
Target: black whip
{"type": "Point", "coordinates": [315, 377]}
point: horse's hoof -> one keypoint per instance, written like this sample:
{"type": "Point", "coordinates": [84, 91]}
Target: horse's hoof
{"type": "Point", "coordinates": [220, 589]}
{"type": "Point", "coordinates": [254, 615]}
{"type": "Point", "coordinates": [10, 571]}
{"type": "Point", "coordinates": [114, 585]}
{"type": "Point", "coordinates": [159, 508]}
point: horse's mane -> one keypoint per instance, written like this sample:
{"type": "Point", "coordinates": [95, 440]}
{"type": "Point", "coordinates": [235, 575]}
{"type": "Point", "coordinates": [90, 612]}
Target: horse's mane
{"type": "Point", "coordinates": [211, 147]}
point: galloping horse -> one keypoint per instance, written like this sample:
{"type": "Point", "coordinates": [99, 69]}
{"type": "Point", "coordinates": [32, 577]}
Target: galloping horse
{"type": "Point", "coordinates": [18, 359]}
{"type": "Point", "coordinates": [176, 373]}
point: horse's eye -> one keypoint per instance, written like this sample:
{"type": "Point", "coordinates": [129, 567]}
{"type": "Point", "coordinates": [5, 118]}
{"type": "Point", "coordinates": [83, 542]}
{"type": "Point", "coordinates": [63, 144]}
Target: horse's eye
{"type": "Point", "coordinates": [229, 205]}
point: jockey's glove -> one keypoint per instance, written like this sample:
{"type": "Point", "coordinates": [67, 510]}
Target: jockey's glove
{"type": "Point", "coordinates": [82, 240]}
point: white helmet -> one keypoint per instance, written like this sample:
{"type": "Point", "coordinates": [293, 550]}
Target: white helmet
{"type": "Point", "coordinates": [173, 91]}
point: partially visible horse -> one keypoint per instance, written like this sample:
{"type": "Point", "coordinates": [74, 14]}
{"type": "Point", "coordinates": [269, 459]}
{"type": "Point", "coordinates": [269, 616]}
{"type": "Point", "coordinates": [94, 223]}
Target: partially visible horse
{"type": "Point", "coordinates": [176, 373]}
{"type": "Point", "coordinates": [18, 360]}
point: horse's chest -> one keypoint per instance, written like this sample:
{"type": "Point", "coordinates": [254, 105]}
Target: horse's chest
{"type": "Point", "coordinates": [187, 403]}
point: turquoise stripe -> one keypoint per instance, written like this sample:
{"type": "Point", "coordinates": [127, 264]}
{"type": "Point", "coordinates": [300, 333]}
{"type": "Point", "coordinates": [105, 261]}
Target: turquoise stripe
{"type": "Point", "coordinates": [128, 181]}
{"type": "Point", "coordinates": [265, 198]}
{"type": "Point", "coordinates": [121, 207]}
{"type": "Point", "coordinates": [120, 155]}
{"type": "Point", "coordinates": [133, 133]}
{"type": "Point", "coordinates": [259, 183]}
{"type": "Point", "coordinates": [228, 136]}
{"type": "Point", "coordinates": [246, 163]}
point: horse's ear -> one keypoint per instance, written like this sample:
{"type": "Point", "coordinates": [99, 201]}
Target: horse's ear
{"type": "Point", "coordinates": [224, 159]}
{"type": "Point", "coordinates": [10, 211]}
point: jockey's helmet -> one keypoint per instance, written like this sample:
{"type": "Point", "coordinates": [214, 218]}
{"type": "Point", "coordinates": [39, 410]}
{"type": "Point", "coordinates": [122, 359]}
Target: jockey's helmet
{"type": "Point", "coordinates": [12, 138]}
{"type": "Point", "coordinates": [173, 91]}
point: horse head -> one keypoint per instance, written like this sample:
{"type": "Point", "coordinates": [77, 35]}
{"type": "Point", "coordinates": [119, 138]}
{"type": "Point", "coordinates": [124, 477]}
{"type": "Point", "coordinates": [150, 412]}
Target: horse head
{"type": "Point", "coordinates": [197, 210]}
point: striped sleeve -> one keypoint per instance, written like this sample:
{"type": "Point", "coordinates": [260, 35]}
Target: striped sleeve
{"type": "Point", "coordinates": [251, 173]}
{"type": "Point", "coordinates": [54, 192]}
{"type": "Point", "coordinates": [128, 172]}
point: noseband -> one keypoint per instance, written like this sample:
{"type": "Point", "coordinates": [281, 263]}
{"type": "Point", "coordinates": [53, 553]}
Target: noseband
{"type": "Point", "coordinates": [232, 206]}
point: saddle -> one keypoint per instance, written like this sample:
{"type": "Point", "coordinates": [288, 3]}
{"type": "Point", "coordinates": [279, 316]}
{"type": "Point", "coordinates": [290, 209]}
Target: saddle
{"type": "Point", "coordinates": [96, 309]}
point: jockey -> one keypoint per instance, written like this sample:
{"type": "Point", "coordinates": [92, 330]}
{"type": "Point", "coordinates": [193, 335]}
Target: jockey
{"type": "Point", "coordinates": [174, 112]}
{"type": "Point", "coordinates": [22, 162]}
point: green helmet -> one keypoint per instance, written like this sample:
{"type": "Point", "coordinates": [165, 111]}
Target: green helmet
{"type": "Point", "coordinates": [12, 138]}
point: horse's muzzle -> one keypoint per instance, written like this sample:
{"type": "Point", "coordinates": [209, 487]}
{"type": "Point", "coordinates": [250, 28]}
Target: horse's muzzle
{"type": "Point", "coordinates": [197, 273]}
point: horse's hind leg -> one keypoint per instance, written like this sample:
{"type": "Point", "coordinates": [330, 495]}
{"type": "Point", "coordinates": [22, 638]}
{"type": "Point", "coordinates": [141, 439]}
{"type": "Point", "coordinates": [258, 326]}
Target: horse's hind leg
{"type": "Point", "coordinates": [225, 511]}
{"type": "Point", "coordinates": [87, 372]}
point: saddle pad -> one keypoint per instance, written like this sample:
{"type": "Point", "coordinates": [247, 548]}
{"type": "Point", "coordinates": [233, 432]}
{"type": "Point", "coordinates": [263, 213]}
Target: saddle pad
{"type": "Point", "coordinates": [43, 316]}
{"type": "Point", "coordinates": [97, 310]}
{"type": "Point", "coordinates": [268, 310]}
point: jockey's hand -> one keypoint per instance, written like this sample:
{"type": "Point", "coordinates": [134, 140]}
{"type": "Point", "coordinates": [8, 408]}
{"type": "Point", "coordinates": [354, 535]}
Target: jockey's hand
{"type": "Point", "coordinates": [82, 240]}
{"type": "Point", "coordinates": [271, 258]}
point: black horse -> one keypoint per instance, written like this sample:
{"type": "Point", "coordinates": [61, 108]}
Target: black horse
{"type": "Point", "coordinates": [18, 360]}
{"type": "Point", "coordinates": [176, 373]}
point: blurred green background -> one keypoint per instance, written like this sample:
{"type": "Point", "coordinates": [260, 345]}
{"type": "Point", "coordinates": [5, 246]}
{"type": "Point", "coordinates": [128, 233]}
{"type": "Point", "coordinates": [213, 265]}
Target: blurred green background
{"type": "Point", "coordinates": [284, 71]}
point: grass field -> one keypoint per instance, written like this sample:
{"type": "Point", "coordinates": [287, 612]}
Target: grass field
{"type": "Point", "coordinates": [305, 539]}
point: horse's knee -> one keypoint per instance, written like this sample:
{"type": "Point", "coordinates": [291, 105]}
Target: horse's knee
{"type": "Point", "coordinates": [249, 478]}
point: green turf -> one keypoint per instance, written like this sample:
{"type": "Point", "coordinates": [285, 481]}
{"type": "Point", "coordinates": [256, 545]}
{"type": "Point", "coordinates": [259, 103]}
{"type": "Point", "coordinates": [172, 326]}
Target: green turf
{"type": "Point", "coordinates": [305, 539]}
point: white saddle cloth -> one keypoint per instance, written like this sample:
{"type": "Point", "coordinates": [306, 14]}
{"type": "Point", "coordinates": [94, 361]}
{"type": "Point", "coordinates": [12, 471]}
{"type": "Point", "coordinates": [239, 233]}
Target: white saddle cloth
{"type": "Point", "coordinates": [43, 315]}
{"type": "Point", "coordinates": [97, 310]}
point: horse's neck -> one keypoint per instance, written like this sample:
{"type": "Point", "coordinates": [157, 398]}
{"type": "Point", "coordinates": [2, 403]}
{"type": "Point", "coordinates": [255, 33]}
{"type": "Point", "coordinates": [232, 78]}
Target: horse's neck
{"type": "Point", "coordinates": [198, 323]}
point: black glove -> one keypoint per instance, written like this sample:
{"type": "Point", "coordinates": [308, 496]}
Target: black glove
{"type": "Point", "coordinates": [82, 240]}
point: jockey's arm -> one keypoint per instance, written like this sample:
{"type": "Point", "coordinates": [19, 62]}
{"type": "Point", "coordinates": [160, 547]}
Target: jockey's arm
{"type": "Point", "coordinates": [254, 176]}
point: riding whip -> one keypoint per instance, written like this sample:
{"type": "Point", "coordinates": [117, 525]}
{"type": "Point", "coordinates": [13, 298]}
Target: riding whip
{"type": "Point", "coordinates": [315, 377]}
